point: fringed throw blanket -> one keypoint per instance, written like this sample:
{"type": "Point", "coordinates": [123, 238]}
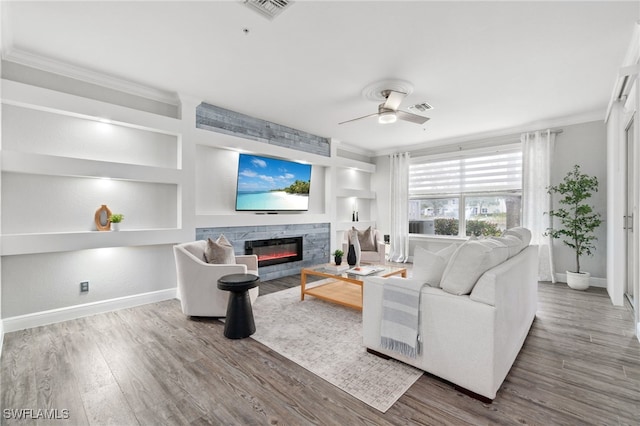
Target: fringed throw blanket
{"type": "Point", "coordinates": [399, 330]}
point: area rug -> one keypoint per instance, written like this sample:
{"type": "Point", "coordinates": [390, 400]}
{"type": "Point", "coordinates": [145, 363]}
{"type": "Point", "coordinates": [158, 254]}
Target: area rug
{"type": "Point", "coordinates": [326, 339]}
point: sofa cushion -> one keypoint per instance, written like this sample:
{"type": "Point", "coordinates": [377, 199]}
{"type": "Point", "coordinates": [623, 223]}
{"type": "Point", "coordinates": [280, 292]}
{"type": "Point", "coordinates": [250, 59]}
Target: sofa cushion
{"type": "Point", "coordinates": [513, 243]}
{"type": "Point", "coordinates": [220, 251]}
{"type": "Point", "coordinates": [523, 233]}
{"type": "Point", "coordinates": [428, 266]}
{"type": "Point", "coordinates": [468, 263]}
{"type": "Point", "coordinates": [366, 239]}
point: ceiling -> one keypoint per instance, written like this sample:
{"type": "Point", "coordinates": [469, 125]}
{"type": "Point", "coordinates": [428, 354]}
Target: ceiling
{"type": "Point", "coordinates": [486, 67]}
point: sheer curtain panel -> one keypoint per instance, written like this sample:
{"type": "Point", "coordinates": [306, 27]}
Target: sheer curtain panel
{"type": "Point", "coordinates": [399, 184]}
{"type": "Point", "coordinates": [537, 153]}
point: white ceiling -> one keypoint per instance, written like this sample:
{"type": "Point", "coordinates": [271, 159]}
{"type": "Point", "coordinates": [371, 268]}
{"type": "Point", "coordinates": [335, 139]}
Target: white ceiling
{"type": "Point", "coordinates": [486, 67]}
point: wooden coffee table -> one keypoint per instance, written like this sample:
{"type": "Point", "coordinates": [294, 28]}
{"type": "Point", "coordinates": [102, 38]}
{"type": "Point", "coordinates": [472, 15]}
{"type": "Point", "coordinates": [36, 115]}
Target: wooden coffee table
{"type": "Point", "coordinates": [342, 288]}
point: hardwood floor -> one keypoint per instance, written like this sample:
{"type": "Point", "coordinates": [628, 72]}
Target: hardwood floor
{"type": "Point", "coordinates": [152, 365]}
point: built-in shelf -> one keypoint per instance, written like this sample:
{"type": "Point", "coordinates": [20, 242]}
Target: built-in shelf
{"type": "Point", "coordinates": [363, 224]}
{"type": "Point", "coordinates": [357, 193]}
{"type": "Point", "coordinates": [143, 158]}
{"type": "Point", "coordinates": [30, 163]}
{"type": "Point", "coordinates": [348, 163]}
{"type": "Point", "coordinates": [16, 244]}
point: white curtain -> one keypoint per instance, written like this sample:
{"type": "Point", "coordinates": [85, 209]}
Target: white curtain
{"type": "Point", "coordinates": [537, 154]}
{"type": "Point", "coordinates": [399, 199]}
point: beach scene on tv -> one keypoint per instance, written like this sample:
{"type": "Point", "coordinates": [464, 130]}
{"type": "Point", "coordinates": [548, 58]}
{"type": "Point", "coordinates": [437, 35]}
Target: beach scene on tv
{"type": "Point", "coordinates": [271, 184]}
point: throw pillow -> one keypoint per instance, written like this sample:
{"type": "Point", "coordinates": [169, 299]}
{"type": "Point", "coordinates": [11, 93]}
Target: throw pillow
{"type": "Point", "coordinates": [428, 267]}
{"type": "Point", "coordinates": [467, 264]}
{"type": "Point", "coordinates": [499, 251]}
{"type": "Point", "coordinates": [220, 251]}
{"type": "Point", "coordinates": [523, 233]}
{"type": "Point", "coordinates": [514, 244]}
{"type": "Point", "coordinates": [366, 239]}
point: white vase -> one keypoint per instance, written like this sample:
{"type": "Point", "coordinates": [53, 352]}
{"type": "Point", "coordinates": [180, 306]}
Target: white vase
{"type": "Point", "coordinates": [115, 226]}
{"type": "Point", "coordinates": [578, 281]}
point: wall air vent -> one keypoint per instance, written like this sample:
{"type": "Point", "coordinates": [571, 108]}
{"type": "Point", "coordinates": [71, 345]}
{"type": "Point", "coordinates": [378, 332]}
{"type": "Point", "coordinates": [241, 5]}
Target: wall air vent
{"type": "Point", "coordinates": [268, 8]}
{"type": "Point", "coordinates": [422, 107]}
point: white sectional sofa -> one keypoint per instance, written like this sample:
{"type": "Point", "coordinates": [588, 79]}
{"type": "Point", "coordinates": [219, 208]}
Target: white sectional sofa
{"type": "Point", "coordinates": [470, 339]}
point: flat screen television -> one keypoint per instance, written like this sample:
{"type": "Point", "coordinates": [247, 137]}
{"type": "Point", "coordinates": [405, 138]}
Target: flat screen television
{"type": "Point", "coordinates": [272, 185]}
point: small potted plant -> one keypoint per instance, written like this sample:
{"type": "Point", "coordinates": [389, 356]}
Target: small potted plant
{"type": "Point", "coordinates": [337, 256]}
{"type": "Point", "coordinates": [116, 219]}
{"type": "Point", "coordinates": [577, 219]}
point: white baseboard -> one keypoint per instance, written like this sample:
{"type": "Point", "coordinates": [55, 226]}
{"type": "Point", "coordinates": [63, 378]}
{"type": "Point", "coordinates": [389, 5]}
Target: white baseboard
{"type": "Point", "coordinates": [38, 319]}
{"type": "Point", "coordinates": [593, 281]}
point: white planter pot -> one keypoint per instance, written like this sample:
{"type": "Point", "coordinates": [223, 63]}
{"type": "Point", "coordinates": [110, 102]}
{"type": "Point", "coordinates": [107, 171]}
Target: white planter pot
{"type": "Point", "coordinates": [578, 281]}
{"type": "Point", "coordinates": [115, 226]}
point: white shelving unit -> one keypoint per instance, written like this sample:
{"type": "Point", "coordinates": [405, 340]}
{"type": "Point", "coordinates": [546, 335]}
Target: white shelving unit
{"type": "Point", "coordinates": [49, 199]}
{"type": "Point", "coordinates": [353, 183]}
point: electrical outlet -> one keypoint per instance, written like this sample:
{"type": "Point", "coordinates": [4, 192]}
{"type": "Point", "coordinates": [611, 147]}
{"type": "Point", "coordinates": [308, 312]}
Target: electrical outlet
{"type": "Point", "coordinates": [84, 286]}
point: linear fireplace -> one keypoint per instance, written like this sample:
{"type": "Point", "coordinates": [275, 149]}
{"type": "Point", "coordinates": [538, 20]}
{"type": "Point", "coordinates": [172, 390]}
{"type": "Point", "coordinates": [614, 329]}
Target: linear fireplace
{"type": "Point", "coordinates": [275, 250]}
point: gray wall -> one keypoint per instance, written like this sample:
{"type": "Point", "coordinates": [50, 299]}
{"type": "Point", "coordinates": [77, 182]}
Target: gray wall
{"type": "Point", "coordinates": [217, 119]}
{"type": "Point", "coordinates": [584, 144]}
{"type": "Point", "coordinates": [315, 243]}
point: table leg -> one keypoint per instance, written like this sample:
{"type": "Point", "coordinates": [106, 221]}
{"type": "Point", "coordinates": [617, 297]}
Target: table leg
{"type": "Point", "coordinates": [303, 283]}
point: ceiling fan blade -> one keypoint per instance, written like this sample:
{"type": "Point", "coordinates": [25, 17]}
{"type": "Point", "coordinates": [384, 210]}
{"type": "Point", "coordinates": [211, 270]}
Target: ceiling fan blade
{"type": "Point", "coordinates": [413, 118]}
{"type": "Point", "coordinates": [359, 118]}
{"type": "Point", "coordinates": [394, 99]}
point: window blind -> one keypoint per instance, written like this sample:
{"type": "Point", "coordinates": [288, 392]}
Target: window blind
{"type": "Point", "coordinates": [497, 172]}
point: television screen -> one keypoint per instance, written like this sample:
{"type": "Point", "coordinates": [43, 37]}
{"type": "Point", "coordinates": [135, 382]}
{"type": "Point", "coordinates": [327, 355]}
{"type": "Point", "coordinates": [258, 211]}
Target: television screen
{"type": "Point", "coordinates": [269, 184]}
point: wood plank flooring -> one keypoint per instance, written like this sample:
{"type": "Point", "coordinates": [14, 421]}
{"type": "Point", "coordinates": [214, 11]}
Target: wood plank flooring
{"type": "Point", "coordinates": [151, 365]}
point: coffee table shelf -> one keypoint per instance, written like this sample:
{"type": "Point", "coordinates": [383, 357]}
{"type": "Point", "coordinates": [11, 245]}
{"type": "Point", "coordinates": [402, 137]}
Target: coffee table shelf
{"type": "Point", "coordinates": [341, 288]}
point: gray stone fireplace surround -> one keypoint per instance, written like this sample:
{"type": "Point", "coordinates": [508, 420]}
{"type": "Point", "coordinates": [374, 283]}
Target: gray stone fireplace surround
{"type": "Point", "coordinates": [315, 243]}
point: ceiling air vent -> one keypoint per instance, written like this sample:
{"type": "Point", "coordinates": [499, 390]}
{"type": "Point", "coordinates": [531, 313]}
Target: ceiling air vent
{"type": "Point", "coordinates": [268, 8]}
{"type": "Point", "coordinates": [422, 107]}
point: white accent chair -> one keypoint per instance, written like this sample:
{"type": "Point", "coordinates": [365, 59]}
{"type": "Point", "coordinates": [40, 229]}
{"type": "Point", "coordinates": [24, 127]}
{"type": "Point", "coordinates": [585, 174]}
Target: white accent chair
{"type": "Point", "coordinates": [198, 280]}
{"type": "Point", "coordinates": [375, 257]}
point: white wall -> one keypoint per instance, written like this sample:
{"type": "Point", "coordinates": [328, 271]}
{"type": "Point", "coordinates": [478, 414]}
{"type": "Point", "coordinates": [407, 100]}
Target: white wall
{"type": "Point", "coordinates": [216, 179]}
{"type": "Point", "coordinates": [380, 184]}
{"type": "Point", "coordinates": [41, 282]}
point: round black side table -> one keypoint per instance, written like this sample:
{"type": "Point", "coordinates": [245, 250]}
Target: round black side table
{"type": "Point", "coordinates": [239, 323]}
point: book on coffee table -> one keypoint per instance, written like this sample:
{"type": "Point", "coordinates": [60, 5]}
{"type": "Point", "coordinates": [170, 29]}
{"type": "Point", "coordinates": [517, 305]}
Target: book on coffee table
{"type": "Point", "coordinates": [336, 269]}
{"type": "Point", "coordinates": [365, 270]}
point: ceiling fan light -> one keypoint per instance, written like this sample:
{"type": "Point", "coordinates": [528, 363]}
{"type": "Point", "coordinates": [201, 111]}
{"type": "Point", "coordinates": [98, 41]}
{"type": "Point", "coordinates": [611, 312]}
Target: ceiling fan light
{"type": "Point", "coordinates": [387, 117]}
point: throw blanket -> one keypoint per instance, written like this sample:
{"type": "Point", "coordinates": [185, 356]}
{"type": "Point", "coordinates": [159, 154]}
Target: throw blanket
{"type": "Point", "coordinates": [399, 330]}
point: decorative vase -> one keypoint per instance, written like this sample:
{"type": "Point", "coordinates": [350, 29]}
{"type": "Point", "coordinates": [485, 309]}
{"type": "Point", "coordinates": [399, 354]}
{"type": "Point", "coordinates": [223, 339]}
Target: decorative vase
{"type": "Point", "coordinates": [351, 256]}
{"type": "Point", "coordinates": [578, 281]}
{"type": "Point", "coordinates": [338, 260]}
{"type": "Point", "coordinates": [102, 218]}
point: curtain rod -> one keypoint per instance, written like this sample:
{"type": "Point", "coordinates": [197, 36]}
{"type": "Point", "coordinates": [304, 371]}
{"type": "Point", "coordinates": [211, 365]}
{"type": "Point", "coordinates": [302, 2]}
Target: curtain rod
{"type": "Point", "coordinates": [556, 131]}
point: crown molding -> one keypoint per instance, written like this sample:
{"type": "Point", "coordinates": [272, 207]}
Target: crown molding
{"type": "Point", "coordinates": [595, 115]}
{"type": "Point", "coordinates": [356, 150]}
{"type": "Point", "coordinates": [54, 66]}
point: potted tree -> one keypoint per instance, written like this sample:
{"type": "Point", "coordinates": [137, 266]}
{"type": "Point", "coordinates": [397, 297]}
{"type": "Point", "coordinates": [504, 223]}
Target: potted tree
{"type": "Point", "coordinates": [578, 220]}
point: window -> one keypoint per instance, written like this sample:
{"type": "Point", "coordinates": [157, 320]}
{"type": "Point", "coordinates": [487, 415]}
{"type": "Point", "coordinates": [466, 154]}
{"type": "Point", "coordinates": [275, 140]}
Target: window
{"type": "Point", "coordinates": [484, 190]}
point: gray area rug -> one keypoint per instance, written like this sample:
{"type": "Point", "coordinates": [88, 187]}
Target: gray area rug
{"type": "Point", "coordinates": [326, 339]}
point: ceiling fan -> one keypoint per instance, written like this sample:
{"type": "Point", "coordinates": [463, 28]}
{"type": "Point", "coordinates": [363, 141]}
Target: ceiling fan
{"type": "Point", "coordinates": [388, 111]}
